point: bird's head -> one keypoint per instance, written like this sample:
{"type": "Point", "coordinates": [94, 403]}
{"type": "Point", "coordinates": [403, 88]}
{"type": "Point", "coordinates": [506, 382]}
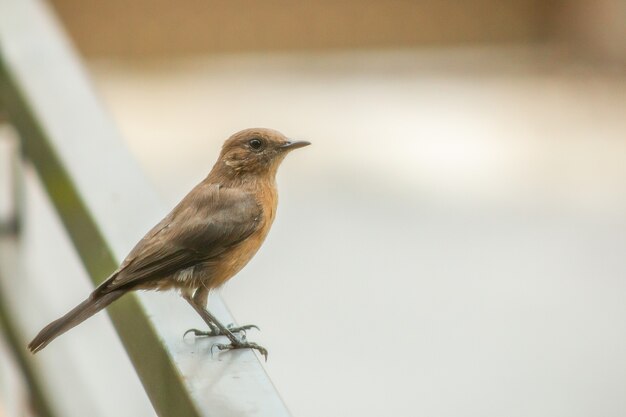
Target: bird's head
{"type": "Point", "coordinates": [256, 151]}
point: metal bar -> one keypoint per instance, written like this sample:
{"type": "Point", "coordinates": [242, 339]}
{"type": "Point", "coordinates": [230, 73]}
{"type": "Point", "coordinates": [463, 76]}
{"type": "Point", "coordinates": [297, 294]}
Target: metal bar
{"type": "Point", "coordinates": [87, 373]}
{"type": "Point", "coordinates": [12, 333]}
{"type": "Point", "coordinates": [9, 179]}
{"type": "Point", "coordinates": [106, 205]}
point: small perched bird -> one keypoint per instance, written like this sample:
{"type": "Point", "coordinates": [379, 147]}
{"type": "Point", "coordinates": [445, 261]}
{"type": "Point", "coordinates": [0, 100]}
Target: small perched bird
{"type": "Point", "coordinates": [204, 241]}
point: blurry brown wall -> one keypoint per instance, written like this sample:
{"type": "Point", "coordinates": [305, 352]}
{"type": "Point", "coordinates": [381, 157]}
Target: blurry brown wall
{"type": "Point", "coordinates": [596, 28]}
{"type": "Point", "coordinates": [140, 28]}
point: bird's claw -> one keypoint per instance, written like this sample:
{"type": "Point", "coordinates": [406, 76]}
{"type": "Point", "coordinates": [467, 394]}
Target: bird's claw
{"type": "Point", "coordinates": [243, 344]}
{"type": "Point", "coordinates": [243, 328]}
{"type": "Point", "coordinates": [197, 332]}
{"type": "Point", "coordinates": [215, 331]}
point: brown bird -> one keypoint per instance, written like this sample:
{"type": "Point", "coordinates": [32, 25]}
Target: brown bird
{"type": "Point", "coordinates": [204, 241]}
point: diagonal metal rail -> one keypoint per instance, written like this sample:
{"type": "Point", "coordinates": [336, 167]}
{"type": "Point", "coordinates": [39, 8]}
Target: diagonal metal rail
{"type": "Point", "coordinates": [106, 205]}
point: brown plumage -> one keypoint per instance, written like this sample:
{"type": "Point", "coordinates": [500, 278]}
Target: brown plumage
{"type": "Point", "coordinates": [204, 241]}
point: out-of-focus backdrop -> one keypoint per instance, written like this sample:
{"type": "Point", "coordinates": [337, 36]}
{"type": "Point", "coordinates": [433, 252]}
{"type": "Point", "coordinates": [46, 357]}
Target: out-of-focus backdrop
{"type": "Point", "coordinates": [453, 243]}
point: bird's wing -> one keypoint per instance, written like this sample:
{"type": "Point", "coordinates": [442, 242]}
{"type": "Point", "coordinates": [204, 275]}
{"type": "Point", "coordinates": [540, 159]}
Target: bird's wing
{"type": "Point", "coordinates": [209, 220]}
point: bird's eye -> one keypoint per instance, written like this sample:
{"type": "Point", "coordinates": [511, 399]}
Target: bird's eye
{"type": "Point", "coordinates": [256, 144]}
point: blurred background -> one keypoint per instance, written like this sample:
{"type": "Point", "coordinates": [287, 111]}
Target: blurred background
{"type": "Point", "coordinates": [453, 242]}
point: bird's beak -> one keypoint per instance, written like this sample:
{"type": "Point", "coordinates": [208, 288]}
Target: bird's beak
{"type": "Point", "coordinates": [291, 145]}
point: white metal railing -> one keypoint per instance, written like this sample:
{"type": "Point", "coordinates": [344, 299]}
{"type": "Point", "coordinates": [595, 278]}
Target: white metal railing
{"type": "Point", "coordinates": [105, 204]}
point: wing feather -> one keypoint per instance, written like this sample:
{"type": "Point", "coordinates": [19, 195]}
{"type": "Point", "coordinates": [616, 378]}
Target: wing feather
{"type": "Point", "coordinates": [207, 222]}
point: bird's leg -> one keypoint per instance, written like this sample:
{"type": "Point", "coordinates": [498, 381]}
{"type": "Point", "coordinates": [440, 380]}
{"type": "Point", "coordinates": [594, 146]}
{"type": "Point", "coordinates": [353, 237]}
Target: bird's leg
{"type": "Point", "coordinates": [200, 298]}
{"type": "Point", "coordinates": [235, 343]}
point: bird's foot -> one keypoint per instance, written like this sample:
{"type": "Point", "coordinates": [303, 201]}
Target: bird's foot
{"type": "Point", "coordinates": [215, 331]}
{"type": "Point", "coordinates": [236, 329]}
{"type": "Point", "coordinates": [241, 344]}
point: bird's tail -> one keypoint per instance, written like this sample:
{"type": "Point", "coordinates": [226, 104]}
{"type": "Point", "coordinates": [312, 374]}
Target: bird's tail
{"type": "Point", "coordinates": [77, 315]}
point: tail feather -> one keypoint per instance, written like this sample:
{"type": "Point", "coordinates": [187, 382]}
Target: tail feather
{"type": "Point", "coordinates": [77, 315]}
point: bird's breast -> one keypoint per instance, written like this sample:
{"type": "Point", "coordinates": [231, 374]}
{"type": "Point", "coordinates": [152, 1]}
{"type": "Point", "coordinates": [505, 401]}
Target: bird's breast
{"type": "Point", "coordinates": [234, 259]}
